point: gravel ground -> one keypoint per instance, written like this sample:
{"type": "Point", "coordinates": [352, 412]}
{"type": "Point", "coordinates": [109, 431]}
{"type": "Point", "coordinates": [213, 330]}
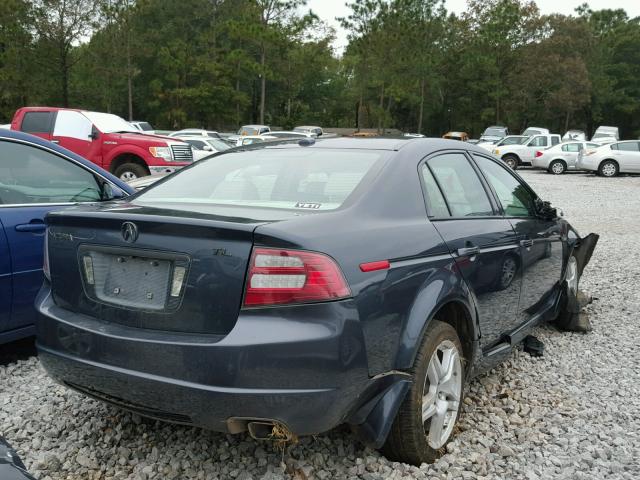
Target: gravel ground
{"type": "Point", "coordinates": [574, 413]}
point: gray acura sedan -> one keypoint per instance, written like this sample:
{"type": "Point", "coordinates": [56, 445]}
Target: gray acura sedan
{"type": "Point", "coordinates": [287, 290]}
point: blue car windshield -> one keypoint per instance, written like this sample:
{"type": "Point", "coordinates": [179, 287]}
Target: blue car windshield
{"type": "Point", "coordinates": [294, 179]}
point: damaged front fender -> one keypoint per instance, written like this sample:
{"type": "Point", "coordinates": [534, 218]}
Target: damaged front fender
{"type": "Point", "coordinates": [571, 317]}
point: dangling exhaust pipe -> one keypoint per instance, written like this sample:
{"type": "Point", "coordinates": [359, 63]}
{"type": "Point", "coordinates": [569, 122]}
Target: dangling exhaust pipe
{"type": "Point", "coordinates": [262, 429]}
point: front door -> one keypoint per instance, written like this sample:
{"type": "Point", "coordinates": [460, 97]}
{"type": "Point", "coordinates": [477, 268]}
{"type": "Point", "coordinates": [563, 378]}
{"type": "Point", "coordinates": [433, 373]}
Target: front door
{"type": "Point", "coordinates": [34, 181]}
{"type": "Point", "coordinates": [75, 132]}
{"type": "Point", "coordinates": [540, 240]}
{"type": "Point", "coordinates": [483, 243]}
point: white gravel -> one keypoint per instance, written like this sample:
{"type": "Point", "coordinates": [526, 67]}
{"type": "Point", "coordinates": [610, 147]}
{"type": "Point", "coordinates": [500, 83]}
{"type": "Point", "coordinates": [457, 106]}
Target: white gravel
{"type": "Point", "coordinates": [572, 414]}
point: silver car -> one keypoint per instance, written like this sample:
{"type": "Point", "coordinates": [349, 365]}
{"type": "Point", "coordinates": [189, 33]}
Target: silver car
{"type": "Point", "coordinates": [611, 159]}
{"type": "Point", "coordinates": [562, 157]}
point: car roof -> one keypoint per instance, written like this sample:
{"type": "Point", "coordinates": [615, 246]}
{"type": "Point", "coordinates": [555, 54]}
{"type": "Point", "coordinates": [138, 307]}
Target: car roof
{"type": "Point", "coordinates": [25, 137]}
{"type": "Point", "coordinates": [379, 143]}
{"type": "Point", "coordinates": [197, 137]}
{"type": "Point", "coordinates": [254, 126]}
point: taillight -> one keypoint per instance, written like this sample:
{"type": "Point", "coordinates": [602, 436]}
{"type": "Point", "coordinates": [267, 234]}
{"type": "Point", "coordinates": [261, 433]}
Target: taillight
{"type": "Point", "coordinates": [45, 262]}
{"type": "Point", "coordinates": [539, 154]}
{"type": "Point", "coordinates": [279, 277]}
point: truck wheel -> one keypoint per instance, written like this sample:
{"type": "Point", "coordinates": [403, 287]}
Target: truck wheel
{"type": "Point", "coordinates": [511, 161]}
{"type": "Point", "coordinates": [425, 421]}
{"type": "Point", "coordinates": [130, 171]}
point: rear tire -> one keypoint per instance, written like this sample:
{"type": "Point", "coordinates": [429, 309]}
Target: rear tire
{"type": "Point", "coordinates": [511, 161]}
{"type": "Point", "coordinates": [608, 168]}
{"type": "Point", "coordinates": [130, 171]}
{"type": "Point", "coordinates": [557, 167]}
{"type": "Point", "coordinates": [426, 419]}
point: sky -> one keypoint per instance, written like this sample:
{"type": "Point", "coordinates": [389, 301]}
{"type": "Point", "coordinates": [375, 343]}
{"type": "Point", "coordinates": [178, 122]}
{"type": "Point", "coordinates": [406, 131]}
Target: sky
{"type": "Point", "coordinates": [328, 10]}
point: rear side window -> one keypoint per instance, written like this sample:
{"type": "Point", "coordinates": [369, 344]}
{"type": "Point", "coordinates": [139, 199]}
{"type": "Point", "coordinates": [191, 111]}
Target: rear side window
{"type": "Point", "coordinates": [462, 189]}
{"type": "Point", "coordinates": [572, 147]}
{"type": "Point", "coordinates": [37, 122]}
{"type": "Point", "coordinates": [292, 179]}
{"type": "Point", "coordinates": [435, 201]}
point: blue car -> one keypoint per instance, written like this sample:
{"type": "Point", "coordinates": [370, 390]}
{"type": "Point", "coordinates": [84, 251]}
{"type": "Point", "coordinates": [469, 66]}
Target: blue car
{"type": "Point", "coordinates": [289, 289]}
{"type": "Point", "coordinates": [36, 177]}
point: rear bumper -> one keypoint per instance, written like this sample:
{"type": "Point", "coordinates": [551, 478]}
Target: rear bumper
{"type": "Point", "coordinates": [305, 367]}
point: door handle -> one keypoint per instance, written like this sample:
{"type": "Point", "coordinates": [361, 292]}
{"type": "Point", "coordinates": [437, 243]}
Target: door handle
{"type": "Point", "coordinates": [527, 243]}
{"type": "Point", "coordinates": [55, 141]}
{"type": "Point", "coordinates": [35, 227]}
{"type": "Point", "coordinates": [468, 251]}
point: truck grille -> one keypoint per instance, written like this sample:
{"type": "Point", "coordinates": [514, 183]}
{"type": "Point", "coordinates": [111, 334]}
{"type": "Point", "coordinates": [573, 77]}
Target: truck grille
{"type": "Point", "coordinates": [182, 152]}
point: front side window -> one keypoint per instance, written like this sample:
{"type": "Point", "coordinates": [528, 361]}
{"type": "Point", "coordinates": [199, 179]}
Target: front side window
{"type": "Point", "coordinates": [555, 140]}
{"type": "Point", "coordinates": [37, 122]}
{"type": "Point", "coordinates": [538, 142]}
{"type": "Point", "coordinates": [515, 198]}
{"type": "Point", "coordinates": [291, 179]}
{"type": "Point", "coordinates": [72, 124]}
{"type": "Point", "coordinates": [29, 175]}
{"type": "Point", "coordinates": [460, 185]}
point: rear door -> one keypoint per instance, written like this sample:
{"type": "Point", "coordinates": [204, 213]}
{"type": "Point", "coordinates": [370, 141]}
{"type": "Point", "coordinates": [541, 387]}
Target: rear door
{"type": "Point", "coordinates": [540, 240]}
{"type": "Point", "coordinates": [33, 181]}
{"type": "Point", "coordinates": [483, 243]}
{"type": "Point", "coordinates": [6, 292]}
{"type": "Point", "coordinates": [38, 123]}
{"type": "Point", "coordinates": [75, 132]}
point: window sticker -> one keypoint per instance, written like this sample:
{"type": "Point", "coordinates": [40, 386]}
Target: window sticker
{"type": "Point", "coordinates": [311, 205]}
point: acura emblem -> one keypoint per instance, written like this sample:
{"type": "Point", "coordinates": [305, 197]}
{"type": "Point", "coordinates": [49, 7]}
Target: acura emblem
{"type": "Point", "coordinates": [129, 231]}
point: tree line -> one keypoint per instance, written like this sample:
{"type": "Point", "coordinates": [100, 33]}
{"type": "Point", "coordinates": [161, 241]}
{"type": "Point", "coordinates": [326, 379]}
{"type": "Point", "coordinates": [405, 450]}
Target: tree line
{"type": "Point", "coordinates": [409, 64]}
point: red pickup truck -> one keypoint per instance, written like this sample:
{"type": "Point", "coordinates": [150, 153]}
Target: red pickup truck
{"type": "Point", "coordinates": [107, 140]}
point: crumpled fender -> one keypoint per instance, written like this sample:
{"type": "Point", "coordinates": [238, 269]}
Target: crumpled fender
{"type": "Point", "coordinates": [571, 317]}
{"type": "Point", "coordinates": [373, 420]}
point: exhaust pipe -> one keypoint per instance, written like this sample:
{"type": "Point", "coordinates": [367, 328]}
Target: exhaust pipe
{"type": "Point", "coordinates": [262, 429]}
{"type": "Point", "coordinates": [270, 430]}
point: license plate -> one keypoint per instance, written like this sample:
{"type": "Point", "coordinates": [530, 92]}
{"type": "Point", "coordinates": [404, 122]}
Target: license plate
{"type": "Point", "coordinates": [130, 281]}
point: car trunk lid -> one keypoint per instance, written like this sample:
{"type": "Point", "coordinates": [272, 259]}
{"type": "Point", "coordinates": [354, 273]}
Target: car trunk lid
{"type": "Point", "coordinates": [151, 268]}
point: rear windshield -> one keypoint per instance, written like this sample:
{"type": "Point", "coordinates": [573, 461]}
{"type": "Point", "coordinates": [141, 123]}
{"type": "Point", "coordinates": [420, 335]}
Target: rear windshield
{"type": "Point", "coordinates": [494, 132]}
{"type": "Point", "coordinates": [296, 179]}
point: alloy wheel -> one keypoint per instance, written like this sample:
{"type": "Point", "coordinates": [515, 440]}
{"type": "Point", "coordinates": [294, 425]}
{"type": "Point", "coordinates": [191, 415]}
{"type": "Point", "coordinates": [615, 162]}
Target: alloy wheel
{"type": "Point", "coordinates": [608, 169]}
{"type": "Point", "coordinates": [442, 390]}
{"type": "Point", "coordinates": [557, 168]}
{"type": "Point", "coordinates": [128, 176]}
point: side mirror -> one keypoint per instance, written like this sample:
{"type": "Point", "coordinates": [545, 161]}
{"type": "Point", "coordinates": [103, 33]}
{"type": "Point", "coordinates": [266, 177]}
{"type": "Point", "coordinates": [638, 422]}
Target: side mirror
{"type": "Point", "coordinates": [94, 135]}
{"type": "Point", "coordinates": [546, 211]}
{"type": "Point", "coordinates": [111, 192]}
